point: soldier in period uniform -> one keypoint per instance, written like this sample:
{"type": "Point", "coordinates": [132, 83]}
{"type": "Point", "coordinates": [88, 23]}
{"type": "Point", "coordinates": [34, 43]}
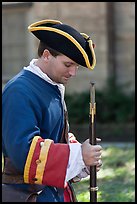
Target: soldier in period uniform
{"type": "Point", "coordinates": [41, 157]}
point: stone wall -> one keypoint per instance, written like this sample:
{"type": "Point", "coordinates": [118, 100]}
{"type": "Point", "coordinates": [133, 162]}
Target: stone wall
{"type": "Point", "coordinates": [88, 17]}
{"type": "Point", "coordinates": [125, 44]}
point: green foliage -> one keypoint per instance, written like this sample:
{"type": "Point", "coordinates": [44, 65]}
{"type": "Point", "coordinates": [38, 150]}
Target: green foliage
{"type": "Point", "coordinates": [116, 179]}
{"type": "Point", "coordinates": [78, 107]}
{"type": "Point", "coordinates": [115, 106]}
{"type": "Point", "coordinates": [112, 105]}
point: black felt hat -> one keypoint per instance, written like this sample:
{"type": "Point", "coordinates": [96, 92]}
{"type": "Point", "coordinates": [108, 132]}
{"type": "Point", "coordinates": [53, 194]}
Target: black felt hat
{"type": "Point", "coordinates": [66, 40]}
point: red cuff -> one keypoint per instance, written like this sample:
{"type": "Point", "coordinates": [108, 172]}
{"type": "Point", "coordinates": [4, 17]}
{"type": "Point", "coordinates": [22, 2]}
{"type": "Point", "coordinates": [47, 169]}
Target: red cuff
{"type": "Point", "coordinates": [47, 163]}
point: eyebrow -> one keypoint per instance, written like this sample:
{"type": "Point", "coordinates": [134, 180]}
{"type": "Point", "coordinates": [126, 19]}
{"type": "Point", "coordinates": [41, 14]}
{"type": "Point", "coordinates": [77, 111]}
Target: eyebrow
{"type": "Point", "coordinates": [71, 63]}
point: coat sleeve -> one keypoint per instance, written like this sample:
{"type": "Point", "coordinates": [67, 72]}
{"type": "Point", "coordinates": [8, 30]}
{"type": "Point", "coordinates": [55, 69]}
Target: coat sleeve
{"type": "Point", "coordinates": [21, 139]}
{"type": "Point", "coordinates": [46, 163]}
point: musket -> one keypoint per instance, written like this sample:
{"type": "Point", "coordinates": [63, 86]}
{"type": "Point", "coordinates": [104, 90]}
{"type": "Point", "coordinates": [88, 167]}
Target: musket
{"type": "Point", "coordinates": [92, 138]}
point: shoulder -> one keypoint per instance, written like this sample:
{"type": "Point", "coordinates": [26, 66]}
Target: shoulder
{"type": "Point", "coordinates": [19, 83]}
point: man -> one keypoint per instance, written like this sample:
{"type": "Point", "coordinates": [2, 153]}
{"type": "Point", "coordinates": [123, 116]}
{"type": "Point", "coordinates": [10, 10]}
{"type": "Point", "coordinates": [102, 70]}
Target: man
{"type": "Point", "coordinates": [42, 158]}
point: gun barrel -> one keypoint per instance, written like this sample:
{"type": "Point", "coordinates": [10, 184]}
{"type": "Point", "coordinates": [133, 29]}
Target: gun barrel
{"type": "Point", "coordinates": [92, 139]}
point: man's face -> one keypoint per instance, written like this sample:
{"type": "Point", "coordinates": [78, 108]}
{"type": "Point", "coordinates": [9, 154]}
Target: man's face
{"type": "Point", "coordinates": [61, 68]}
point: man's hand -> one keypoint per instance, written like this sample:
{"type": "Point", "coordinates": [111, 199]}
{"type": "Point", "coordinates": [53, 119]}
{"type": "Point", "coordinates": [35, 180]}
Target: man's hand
{"type": "Point", "coordinates": [91, 154]}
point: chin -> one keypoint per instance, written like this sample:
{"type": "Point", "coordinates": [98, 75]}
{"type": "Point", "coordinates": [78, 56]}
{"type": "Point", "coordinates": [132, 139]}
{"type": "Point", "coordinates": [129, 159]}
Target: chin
{"type": "Point", "coordinates": [65, 82]}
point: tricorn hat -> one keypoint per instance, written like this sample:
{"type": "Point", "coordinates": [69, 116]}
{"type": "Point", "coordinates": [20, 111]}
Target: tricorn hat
{"type": "Point", "coordinates": [66, 40]}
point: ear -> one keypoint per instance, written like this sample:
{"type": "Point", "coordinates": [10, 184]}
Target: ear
{"type": "Point", "coordinates": [46, 54]}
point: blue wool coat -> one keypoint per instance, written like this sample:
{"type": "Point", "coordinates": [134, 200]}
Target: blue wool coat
{"type": "Point", "coordinates": [30, 106]}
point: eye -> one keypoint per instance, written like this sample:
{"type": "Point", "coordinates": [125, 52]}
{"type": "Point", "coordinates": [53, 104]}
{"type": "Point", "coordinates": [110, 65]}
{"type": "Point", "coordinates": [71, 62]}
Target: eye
{"type": "Point", "coordinates": [71, 65]}
{"type": "Point", "coordinates": [68, 65]}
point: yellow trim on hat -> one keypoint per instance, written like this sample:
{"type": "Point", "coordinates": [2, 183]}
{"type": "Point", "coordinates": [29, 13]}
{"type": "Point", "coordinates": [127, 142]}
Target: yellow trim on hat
{"type": "Point", "coordinates": [44, 21]}
{"type": "Point", "coordinates": [33, 28]}
{"type": "Point", "coordinates": [91, 47]}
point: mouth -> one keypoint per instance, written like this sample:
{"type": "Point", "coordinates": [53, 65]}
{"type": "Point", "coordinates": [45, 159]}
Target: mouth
{"type": "Point", "coordinates": [66, 78]}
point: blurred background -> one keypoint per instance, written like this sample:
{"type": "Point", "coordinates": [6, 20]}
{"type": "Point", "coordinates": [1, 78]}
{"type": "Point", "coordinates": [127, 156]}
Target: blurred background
{"type": "Point", "coordinates": [111, 26]}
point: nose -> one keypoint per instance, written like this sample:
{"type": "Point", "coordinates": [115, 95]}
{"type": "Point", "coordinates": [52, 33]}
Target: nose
{"type": "Point", "coordinates": [73, 70]}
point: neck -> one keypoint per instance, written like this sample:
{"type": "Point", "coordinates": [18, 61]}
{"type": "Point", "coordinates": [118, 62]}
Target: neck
{"type": "Point", "coordinates": [41, 65]}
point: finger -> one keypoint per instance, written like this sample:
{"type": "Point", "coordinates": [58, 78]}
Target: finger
{"type": "Point", "coordinates": [98, 148]}
{"type": "Point", "coordinates": [98, 157]}
{"type": "Point", "coordinates": [99, 163]}
{"type": "Point", "coordinates": [98, 168]}
{"type": "Point", "coordinates": [98, 139]}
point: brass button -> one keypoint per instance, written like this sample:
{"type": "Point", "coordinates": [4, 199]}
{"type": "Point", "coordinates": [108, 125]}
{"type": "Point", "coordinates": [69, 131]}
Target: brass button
{"type": "Point", "coordinates": [41, 144]}
{"type": "Point", "coordinates": [34, 179]}
{"type": "Point", "coordinates": [38, 161]}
